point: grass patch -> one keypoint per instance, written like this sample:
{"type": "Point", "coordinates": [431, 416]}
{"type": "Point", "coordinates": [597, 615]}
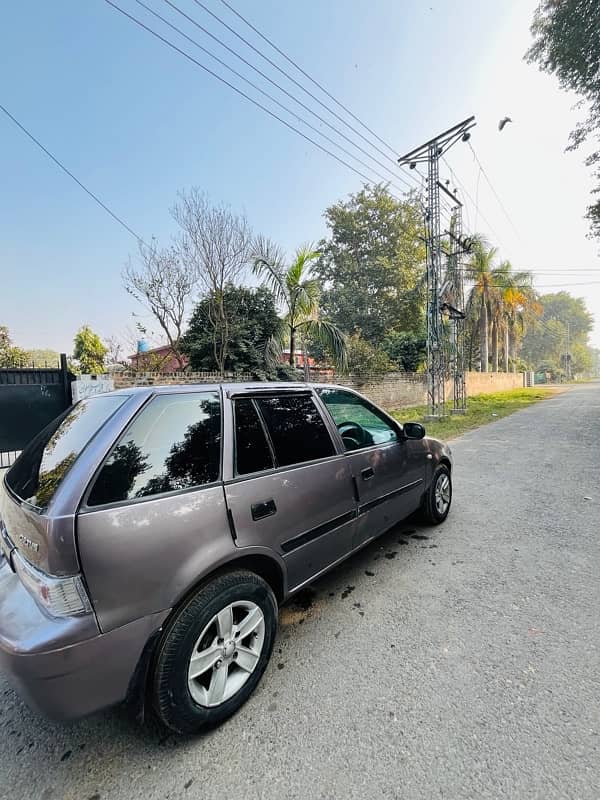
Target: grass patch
{"type": "Point", "coordinates": [481, 409]}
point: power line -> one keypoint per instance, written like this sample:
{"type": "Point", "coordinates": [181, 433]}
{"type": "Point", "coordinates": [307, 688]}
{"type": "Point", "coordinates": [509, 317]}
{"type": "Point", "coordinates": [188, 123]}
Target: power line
{"type": "Point", "coordinates": [59, 164]}
{"type": "Point", "coordinates": [547, 329]}
{"type": "Point", "coordinates": [475, 205]}
{"type": "Point", "coordinates": [277, 85]}
{"type": "Point", "coordinates": [235, 89]}
{"type": "Point", "coordinates": [542, 286]}
{"type": "Point", "coordinates": [311, 79]}
{"type": "Point", "coordinates": [292, 79]}
{"type": "Point", "coordinates": [489, 182]}
{"type": "Point", "coordinates": [263, 92]}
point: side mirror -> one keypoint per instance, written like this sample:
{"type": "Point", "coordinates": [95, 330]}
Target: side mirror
{"type": "Point", "coordinates": [413, 430]}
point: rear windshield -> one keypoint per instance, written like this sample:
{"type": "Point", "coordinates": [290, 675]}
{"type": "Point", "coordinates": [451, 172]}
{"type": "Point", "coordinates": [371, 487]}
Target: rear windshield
{"type": "Point", "coordinates": [37, 473]}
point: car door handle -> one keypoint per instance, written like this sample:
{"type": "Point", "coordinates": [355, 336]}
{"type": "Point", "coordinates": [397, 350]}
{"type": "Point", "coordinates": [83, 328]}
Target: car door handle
{"type": "Point", "coordinates": [367, 473]}
{"type": "Point", "coordinates": [265, 509]}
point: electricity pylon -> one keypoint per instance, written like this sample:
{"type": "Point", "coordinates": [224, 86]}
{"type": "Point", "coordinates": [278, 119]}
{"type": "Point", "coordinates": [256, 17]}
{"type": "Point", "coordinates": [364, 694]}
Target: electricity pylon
{"type": "Point", "coordinates": [430, 152]}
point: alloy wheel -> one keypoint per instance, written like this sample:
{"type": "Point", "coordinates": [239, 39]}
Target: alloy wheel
{"type": "Point", "coordinates": [226, 653]}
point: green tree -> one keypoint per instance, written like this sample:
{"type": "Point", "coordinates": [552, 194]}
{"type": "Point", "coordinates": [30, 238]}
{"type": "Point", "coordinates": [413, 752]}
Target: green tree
{"type": "Point", "coordinates": [252, 322]}
{"type": "Point", "coordinates": [364, 360]}
{"type": "Point", "coordinates": [520, 307]}
{"type": "Point", "coordinates": [44, 357]}
{"type": "Point", "coordinates": [513, 302]}
{"type": "Point", "coordinates": [407, 350]}
{"type": "Point", "coordinates": [483, 294]}
{"type": "Point", "coordinates": [564, 324]}
{"type": "Point", "coordinates": [298, 294]}
{"type": "Point", "coordinates": [567, 44]}
{"type": "Point", "coordinates": [10, 355]}
{"type": "Point", "coordinates": [372, 264]}
{"type": "Point", "coordinates": [89, 351]}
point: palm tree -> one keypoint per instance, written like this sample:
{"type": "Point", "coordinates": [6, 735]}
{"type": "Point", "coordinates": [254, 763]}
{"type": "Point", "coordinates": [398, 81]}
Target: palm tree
{"type": "Point", "coordinates": [298, 295]}
{"type": "Point", "coordinates": [483, 294]}
{"type": "Point", "coordinates": [519, 303]}
{"type": "Point", "coordinates": [504, 286]}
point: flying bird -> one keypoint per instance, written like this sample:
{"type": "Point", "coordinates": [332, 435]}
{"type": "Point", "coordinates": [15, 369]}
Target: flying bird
{"type": "Point", "coordinates": [503, 122]}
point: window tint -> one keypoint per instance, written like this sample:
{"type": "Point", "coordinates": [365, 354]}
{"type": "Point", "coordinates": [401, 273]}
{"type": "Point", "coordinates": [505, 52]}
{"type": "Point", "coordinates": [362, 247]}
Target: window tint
{"type": "Point", "coordinates": [252, 452]}
{"type": "Point", "coordinates": [174, 443]}
{"type": "Point", "coordinates": [296, 428]}
{"type": "Point", "coordinates": [38, 472]}
{"type": "Point", "coordinates": [359, 423]}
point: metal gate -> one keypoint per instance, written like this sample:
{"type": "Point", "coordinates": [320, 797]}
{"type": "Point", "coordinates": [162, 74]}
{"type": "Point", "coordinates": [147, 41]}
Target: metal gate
{"type": "Point", "coordinates": [29, 400]}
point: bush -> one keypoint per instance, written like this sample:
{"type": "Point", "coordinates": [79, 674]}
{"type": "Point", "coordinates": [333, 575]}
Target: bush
{"type": "Point", "coordinates": [407, 350]}
{"type": "Point", "coordinates": [365, 360]}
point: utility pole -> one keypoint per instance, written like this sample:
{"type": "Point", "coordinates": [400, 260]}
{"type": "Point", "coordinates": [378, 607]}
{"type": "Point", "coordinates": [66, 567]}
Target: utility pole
{"type": "Point", "coordinates": [430, 152]}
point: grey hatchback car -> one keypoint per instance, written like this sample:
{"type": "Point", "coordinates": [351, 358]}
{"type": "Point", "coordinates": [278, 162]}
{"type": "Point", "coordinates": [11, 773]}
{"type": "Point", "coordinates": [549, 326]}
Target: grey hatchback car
{"type": "Point", "coordinates": [148, 536]}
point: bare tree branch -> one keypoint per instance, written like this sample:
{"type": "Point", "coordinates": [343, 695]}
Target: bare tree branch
{"type": "Point", "coordinates": [163, 282]}
{"type": "Point", "coordinates": [214, 245]}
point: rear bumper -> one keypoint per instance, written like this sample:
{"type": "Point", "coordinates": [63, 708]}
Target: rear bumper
{"type": "Point", "coordinates": [66, 668]}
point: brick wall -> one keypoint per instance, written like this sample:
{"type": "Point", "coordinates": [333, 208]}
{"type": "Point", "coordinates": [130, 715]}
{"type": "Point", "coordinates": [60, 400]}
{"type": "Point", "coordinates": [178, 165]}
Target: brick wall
{"type": "Point", "coordinates": [123, 380]}
{"type": "Point", "coordinates": [390, 391]}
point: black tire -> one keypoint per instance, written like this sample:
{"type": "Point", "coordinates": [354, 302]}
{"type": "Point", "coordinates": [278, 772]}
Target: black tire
{"type": "Point", "coordinates": [170, 693]}
{"type": "Point", "coordinates": [429, 511]}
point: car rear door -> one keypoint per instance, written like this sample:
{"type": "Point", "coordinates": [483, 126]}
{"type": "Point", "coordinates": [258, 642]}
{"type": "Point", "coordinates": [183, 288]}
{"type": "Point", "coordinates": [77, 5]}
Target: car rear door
{"type": "Point", "coordinates": [291, 490]}
{"type": "Point", "coordinates": [154, 516]}
{"type": "Point", "coordinates": [389, 478]}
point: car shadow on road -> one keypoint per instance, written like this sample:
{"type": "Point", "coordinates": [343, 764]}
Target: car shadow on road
{"type": "Point", "coordinates": [29, 737]}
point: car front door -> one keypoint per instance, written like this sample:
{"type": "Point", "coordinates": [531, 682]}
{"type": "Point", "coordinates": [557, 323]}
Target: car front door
{"type": "Point", "coordinates": [291, 490]}
{"type": "Point", "coordinates": [389, 479]}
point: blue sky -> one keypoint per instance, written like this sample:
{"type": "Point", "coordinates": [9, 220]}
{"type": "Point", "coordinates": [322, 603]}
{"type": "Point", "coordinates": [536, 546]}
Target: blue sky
{"type": "Point", "coordinates": [136, 123]}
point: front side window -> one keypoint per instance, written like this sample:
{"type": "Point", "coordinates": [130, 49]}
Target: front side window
{"type": "Point", "coordinates": [360, 424]}
{"type": "Point", "coordinates": [296, 428]}
{"type": "Point", "coordinates": [174, 443]}
{"type": "Point", "coordinates": [252, 453]}
{"type": "Point", "coordinates": [41, 467]}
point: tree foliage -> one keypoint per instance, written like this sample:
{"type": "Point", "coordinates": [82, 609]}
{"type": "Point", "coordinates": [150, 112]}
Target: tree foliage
{"type": "Point", "coordinates": [364, 360]}
{"type": "Point", "coordinates": [298, 293]}
{"type": "Point", "coordinates": [44, 357]}
{"type": "Point", "coordinates": [11, 355]}
{"type": "Point", "coordinates": [499, 304]}
{"type": "Point", "coordinates": [89, 351]}
{"type": "Point", "coordinates": [567, 44]}
{"type": "Point", "coordinates": [548, 341]}
{"type": "Point", "coordinates": [372, 264]}
{"type": "Point", "coordinates": [406, 350]}
{"type": "Point", "coordinates": [251, 320]}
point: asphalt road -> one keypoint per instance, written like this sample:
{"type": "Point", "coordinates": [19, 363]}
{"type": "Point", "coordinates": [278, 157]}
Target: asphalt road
{"type": "Point", "coordinates": [456, 662]}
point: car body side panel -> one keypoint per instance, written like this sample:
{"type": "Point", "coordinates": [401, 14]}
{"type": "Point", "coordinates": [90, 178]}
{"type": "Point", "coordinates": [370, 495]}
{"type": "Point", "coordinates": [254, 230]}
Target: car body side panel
{"type": "Point", "coordinates": [64, 667]}
{"type": "Point", "coordinates": [393, 491]}
{"type": "Point", "coordinates": [142, 557]}
{"type": "Point", "coordinates": [314, 518]}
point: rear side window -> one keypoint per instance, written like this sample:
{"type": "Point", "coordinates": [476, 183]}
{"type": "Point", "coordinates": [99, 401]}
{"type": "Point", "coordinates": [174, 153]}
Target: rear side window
{"type": "Point", "coordinates": [296, 428]}
{"type": "Point", "coordinates": [173, 444]}
{"type": "Point", "coordinates": [39, 470]}
{"type": "Point", "coordinates": [252, 453]}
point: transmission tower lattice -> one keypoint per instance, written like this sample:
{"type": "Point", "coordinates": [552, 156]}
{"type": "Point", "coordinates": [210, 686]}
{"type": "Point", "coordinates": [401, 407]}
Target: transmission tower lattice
{"type": "Point", "coordinates": [437, 368]}
{"type": "Point", "coordinates": [453, 304]}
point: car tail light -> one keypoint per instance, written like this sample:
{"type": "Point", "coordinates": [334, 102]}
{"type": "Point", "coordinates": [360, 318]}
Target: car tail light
{"type": "Point", "coordinates": [57, 597]}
